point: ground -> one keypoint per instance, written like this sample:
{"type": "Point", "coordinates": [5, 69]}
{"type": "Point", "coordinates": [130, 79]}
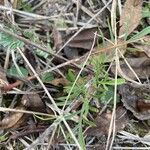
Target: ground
{"type": "Point", "coordinates": [74, 74]}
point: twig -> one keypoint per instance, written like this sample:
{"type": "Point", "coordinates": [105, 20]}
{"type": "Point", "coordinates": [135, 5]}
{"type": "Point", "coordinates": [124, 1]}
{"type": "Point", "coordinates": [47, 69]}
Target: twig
{"type": "Point", "coordinates": [3, 109]}
{"type": "Point", "coordinates": [27, 132]}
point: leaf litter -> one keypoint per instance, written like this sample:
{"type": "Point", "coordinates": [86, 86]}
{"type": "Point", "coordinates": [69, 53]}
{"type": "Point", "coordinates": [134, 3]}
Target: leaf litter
{"type": "Point", "coordinates": [88, 108]}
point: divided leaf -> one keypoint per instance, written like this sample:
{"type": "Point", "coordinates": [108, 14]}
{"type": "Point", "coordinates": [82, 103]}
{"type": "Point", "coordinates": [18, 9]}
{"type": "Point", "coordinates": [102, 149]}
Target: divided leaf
{"type": "Point", "coordinates": [20, 72]}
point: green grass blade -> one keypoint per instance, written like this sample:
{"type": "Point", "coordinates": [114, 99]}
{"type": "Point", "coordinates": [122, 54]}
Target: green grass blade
{"type": "Point", "coordinates": [139, 35]}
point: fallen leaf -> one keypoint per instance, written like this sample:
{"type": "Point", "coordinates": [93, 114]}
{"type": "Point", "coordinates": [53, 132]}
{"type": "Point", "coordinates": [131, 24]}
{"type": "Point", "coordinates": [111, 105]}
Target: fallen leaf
{"type": "Point", "coordinates": [103, 122]}
{"type": "Point", "coordinates": [58, 39]}
{"type": "Point", "coordinates": [71, 52]}
{"type": "Point", "coordinates": [14, 119]}
{"type": "Point", "coordinates": [144, 46]}
{"type": "Point", "coordinates": [83, 40]}
{"type": "Point", "coordinates": [59, 81]}
{"type": "Point", "coordinates": [134, 99]}
{"type": "Point", "coordinates": [130, 17]}
{"type": "Point", "coordinates": [141, 67]}
{"type": "Point", "coordinates": [33, 102]}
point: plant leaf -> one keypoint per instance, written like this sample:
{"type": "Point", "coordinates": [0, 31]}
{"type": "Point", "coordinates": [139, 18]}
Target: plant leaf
{"type": "Point", "coordinates": [139, 35]}
{"type": "Point", "coordinates": [47, 77]}
{"type": "Point", "coordinates": [14, 72]}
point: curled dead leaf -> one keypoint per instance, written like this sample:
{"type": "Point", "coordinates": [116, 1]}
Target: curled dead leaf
{"type": "Point", "coordinates": [134, 99]}
{"type": "Point", "coordinates": [83, 40]}
{"type": "Point", "coordinates": [103, 122]}
{"type": "Point", "coordinates": [14, 119]}
{"type": "Point", "coordinates": [33, 102]}
{"type": "Point", "coordinates": [141, 67]}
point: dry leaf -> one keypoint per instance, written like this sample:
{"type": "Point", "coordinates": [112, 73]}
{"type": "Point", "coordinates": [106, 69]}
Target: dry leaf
{"type": "Point", "coordinates": [103, 122]}
{"type": "Point", "coordinates": [83, 40]}
{"type": "Point", "coordinates": [79, 44]}
{"type": "Point", "coordinates": [59, 81]}
{"type": "Point", "coordinates": [14, 120]}
{"type": "Point", "coordinates": [134, 99]}
{"type": "Point", "coordinates": [144, 46]}
{"type": "Point", "coordinates": [57, 36]}
{"type": "Point", "coordinates": [33, 102]}
{"type": "Point", "coordinates": [141, 67]}
{"type": "Point", "coordinates": [130, 17]}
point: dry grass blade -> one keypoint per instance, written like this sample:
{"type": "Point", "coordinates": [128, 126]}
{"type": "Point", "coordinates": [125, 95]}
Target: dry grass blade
{"type": "Point", "coordinates": [24, 111]}
{"type": "Point", "coordinates": [126, 135]}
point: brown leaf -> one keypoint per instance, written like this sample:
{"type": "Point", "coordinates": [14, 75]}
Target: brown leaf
{"type": "Point", "coordinates": [103, 122]}
{"type": "Point", "coordinates": [33, 102]}
{"type": "Point", "coordinates": [141, 67]}
{"type": "Point", "coordinates": [83, 40]}
{"type": "Point", "coordinates": [131, 16]}
{"type": "Point", "coordinates": [14, 120]}
{"type": "Point", "coordinates": [144, 46]}
{"type": "Point", "coordinates": [134, 99]}
{"type": "Point", "coordinates": [59, 81]}
{"type": "Point", "coordinates": [57, 36]}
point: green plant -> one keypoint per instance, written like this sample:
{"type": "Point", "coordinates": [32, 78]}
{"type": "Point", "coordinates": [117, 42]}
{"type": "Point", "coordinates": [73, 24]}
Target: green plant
{"type": "Point", "coordinates": [8, 42]}
{"type": "Point", "coordinates": [18, 71]}
{"type": "Point", "coordinates": [103, 84]}
{"type": "Point", "coordinates": [146, 11]}
{"type": "Point", "coordinates": [25, 6]}
{"type": "Point", "coordinates": [33, 36]}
